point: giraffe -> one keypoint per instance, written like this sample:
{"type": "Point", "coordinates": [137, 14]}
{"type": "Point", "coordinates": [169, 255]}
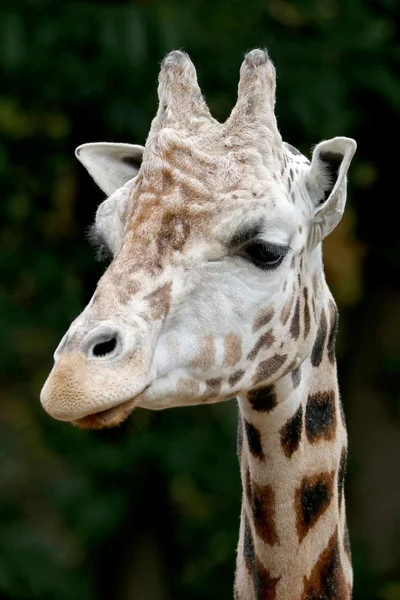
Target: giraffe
{"type": "Point", "coordinates": [216, 290]}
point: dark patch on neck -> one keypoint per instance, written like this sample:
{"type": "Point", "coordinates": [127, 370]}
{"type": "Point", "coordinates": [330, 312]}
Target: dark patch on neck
{"type": "Point", "coordinates": [334, 322]}
{"type": "Point", "coordinates": [247, 485]}
{"type": "Point", "coordinates": [312, 499]}
{"type": "Point", "coordinates": [248, 546]}
{"type": "Point", "coordinates": [291, 433]}
{"type": "Point", "coordinates": [341, 476]}
{"type": "Point", "coordinates": [319, 343]}
{"type": "Point", "coordinates": [264, 584]}
{"type": "Point", "coordinates": [295, 324]}
{"type": "Point", "coordinates": [253, 440]}
{"type": "Point", "coordinates": [327, 580]}
{"type": "Point", "coordinates": [320, 416]}
{"type": "Point", "coordinates": [263, 507]}
{"type": "Point", "coordinates": [262, 399]}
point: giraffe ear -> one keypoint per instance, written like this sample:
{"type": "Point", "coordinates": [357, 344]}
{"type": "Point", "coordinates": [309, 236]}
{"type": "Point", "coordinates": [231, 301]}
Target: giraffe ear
{"type": "Point", "coordinates": [326, 184]}
{"type": "Point", "coordinates": [110, 165]}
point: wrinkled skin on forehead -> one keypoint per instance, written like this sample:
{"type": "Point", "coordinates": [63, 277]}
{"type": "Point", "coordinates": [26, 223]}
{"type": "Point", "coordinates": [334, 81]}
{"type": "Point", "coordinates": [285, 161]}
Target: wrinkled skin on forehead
{"type": "Point", "coordinates": [186, 312]}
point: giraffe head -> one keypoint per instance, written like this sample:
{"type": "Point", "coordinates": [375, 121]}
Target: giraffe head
{"type": "Point", "coordinates": [214, 231]}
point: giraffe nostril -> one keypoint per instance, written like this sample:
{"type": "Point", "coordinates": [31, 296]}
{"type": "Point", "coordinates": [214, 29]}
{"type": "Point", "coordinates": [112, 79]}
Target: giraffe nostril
{"type": "Point", "coordinates": [102, 342]}
{"type": "Point", "coordinates": [105, 348]}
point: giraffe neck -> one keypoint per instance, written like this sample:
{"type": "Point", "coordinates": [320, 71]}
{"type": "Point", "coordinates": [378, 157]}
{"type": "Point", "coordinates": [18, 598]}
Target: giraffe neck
{"type": "Point", "coordinates": [292, 443]}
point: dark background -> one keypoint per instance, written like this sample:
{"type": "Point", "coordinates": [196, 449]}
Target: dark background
{"type": "Point", "coordinates": [150, 511]}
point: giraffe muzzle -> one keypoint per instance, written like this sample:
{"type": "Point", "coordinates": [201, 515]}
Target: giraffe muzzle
{"type": "Point", "coordinates": [98, 374]}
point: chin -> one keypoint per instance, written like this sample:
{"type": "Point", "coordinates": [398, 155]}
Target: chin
{"type": "Point", "coordinates": [106, 419]}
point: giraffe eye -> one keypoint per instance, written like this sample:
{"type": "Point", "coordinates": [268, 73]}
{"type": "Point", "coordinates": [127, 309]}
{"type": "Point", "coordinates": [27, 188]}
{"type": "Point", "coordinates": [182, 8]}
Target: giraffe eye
{"type": "Point", "coordinates": [265, 256]}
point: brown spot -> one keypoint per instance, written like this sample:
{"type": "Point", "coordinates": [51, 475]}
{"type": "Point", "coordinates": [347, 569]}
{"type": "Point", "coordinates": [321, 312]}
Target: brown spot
{"type": "Point", "coordinates": [263, 507]}
{"type": "Point", "coordinates": [293, 262]}
{"type": "Point", "coordinates": [205, 358]}
{"type": "Point", "coordinates": [173, 232]}
{"type": "Point", "coordinates": [126, 285]}
{"type": "Point", "coordinates": [320, 416]}
{"type": "Point", "coordinates": [248, 546]}
{"type": "Point", "coordinates": [291, 433]}
{"type": "Point", "coordinates": [307, 319]}
{"type": "Point", "coordinates": [287, 307]}
{"type": "Point", "coordinates": [266, 340]}
{"type": "Point", "coordinates": [300, 229]}
{"type": "Point", "coordinates": [319, 342]}
{"type": "Point", "coordinates": [262, 399]}
{"type": "Point", "coordinates": [232, 349]}
{"type": "Point", "coordinates": [295, 324]}
{"type": "Point", "coordinates": [247, 487]}
{"type": "Point", "coordinates": [289, 184]}
{"type": "Point", "coordinates": [268, 367]}
{"type": "Point", "coordinates": [293, 197]}
{"type": "Point", "coordinates": [291, 174]}
{"type": "Point", "coordinates": [159, 301]}
{"type": "Point", "coordinates": [263, 317]}
{"type": "Point", "coordinates": [334, 321]}
{"type": "Point", "coordinates": [236, 377]}
{"type": "Point", "coordinates": [187, 388]}
{"type": "Point", "coordinates": [253, 440]}
{"type": "Point", "coordinates": [312, 499]}
{"type": "Point", "coordinates": [213, 387]}
{"type": "Point", "coordinates": [167, 180]}
{"type": "Point", "coordinates": [327, 580]}
{"type": "Point", "coordinates": [296, 376]}
{"type": "Point", "coordinates": [264, 584]}
{"type": "Point", "coordinates": [192, 194]}
{"type": "Point", "coordinates": [341, 476]}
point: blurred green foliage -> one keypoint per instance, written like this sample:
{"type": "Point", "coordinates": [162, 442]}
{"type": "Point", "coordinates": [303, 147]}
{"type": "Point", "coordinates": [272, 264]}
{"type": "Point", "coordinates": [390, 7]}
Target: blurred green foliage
{"type": "Point", "coordinates": [75, 505]}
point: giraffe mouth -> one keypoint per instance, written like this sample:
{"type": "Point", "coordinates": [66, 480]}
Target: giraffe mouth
{"type": "Point", "coordinates": [106, 419]}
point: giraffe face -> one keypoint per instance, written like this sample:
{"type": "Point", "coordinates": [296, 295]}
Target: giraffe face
{"type": "Point", "coordinates": [210, 289]}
